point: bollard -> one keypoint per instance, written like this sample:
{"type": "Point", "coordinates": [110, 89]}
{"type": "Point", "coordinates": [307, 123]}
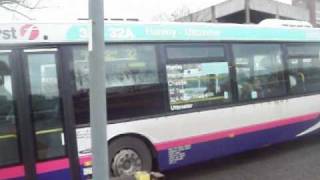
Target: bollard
{"type": "Point", "coordinates": [142, 175]}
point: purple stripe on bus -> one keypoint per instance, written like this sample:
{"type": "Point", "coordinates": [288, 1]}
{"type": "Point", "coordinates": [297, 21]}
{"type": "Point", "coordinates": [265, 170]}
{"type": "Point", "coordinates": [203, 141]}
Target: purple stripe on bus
{"type": "Point", "coordinates": [204, 151]}
{"type": "Point", "coordinates": [62, 174]}
{"type": "Point", "coordinates": [234, 132]}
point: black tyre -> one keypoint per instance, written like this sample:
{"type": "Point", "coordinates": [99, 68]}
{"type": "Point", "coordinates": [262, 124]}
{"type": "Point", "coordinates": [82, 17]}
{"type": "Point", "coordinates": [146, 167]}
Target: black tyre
{"type": "Point", "coordinates": [128, 155]}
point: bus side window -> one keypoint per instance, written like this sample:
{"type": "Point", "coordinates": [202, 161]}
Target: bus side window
{"type": "Point", "coordinates": [132, 82]}
{"type": "Point", "coordinates": [195, 78]}
{"type": "Point", "coordinates": [304, 66]}
{"type": "Point", "coordinates": [198, 84]}
{"type": "Point", "coordinates": [260, 72]}
{"type": "Point", "coordinates": [296, 77]}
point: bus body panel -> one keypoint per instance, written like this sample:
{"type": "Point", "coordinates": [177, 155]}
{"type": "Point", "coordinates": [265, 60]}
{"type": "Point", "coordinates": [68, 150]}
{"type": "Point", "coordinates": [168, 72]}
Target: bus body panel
{"type": "Point", "coordinates": [226, 131]}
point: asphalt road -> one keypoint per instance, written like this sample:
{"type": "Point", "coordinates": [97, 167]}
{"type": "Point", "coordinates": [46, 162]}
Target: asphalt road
{"type": "Point", "coordinates": [296, 160]}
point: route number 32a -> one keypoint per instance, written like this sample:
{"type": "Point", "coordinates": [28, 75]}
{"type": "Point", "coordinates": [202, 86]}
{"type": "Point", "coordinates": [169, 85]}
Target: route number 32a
{"type": "Point", "coordinates": [121, 33]}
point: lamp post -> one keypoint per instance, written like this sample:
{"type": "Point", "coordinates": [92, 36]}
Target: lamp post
{"type": "Point", "coordinates": [98, 104]}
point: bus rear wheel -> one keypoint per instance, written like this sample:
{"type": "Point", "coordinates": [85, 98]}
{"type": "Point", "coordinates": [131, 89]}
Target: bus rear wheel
{"type": "Point", "coordinates": [128, 155]}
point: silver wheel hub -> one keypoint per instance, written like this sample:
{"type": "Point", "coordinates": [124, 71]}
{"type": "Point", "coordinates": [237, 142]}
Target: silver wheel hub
{"type": "Point", "coordinates": [126, 162]}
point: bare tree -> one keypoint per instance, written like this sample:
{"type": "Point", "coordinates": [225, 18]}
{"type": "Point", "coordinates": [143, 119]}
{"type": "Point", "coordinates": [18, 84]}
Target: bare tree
{"type": "Point", "coordinates": [19, 6]}
{"type": "Point", "coordinates": [176, 14]}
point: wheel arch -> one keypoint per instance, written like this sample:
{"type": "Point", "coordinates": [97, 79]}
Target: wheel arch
{"type": "Point", "coordinates": [144, 139]}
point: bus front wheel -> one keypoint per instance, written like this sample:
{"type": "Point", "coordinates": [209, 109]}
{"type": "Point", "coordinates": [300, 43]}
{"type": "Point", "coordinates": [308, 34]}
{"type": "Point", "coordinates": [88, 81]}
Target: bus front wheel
{"type": "Point", "coordinates": [128, 155]}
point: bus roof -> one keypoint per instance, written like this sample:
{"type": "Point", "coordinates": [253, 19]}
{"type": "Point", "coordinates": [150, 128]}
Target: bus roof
{"type": "Point", "coordinates": [136, 31]}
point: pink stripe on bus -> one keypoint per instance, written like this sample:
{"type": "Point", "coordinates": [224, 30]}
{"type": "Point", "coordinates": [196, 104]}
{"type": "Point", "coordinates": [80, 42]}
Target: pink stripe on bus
{"type": "Point", "coordinates": [42, 167]}
{"type": "Point", "coordinates": [85, 159]}
{"type": "Point", "coordinates": [12, 172]}
{"type": "Point", "coordinates": [53, 165]}
{"type": "Point", "coordinates": [234, 132]}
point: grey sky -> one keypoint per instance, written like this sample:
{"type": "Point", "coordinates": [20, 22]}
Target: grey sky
{"type": "Point", "coordinates": [69, 10]}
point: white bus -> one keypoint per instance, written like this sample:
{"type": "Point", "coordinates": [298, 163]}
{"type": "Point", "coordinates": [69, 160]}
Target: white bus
{"type": "Point", "coordinates": [177, 94]}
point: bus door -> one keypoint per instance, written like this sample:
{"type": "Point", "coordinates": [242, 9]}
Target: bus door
{"type": "Point", "coordinates": [43, 82]}
{"type": "Point", "coordinates": [11, 165]}
{"type": "Point", "coordinates": [33, 125]}
{"type": "Point", "coordinates": [45, 109]}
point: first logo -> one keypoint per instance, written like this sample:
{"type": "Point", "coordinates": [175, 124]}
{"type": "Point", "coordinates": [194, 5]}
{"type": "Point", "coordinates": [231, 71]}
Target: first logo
{"type": "Point", "coordinates": [29, 31]}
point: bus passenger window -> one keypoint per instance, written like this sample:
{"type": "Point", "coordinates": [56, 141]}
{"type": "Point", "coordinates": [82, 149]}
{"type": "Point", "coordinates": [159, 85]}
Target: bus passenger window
{"type": "Point", "coordinates": [126, 65]}
{"type": "Point", "coordinates": [304, 68]}
{"type": "Point", "coordinates": [132, 79]}
{"type": "Point", "coordinates": [198, 84]}
{"type": "Point", "coordinates": [8, 133]}
{"type": "Point", "coordinates": [260, 72]}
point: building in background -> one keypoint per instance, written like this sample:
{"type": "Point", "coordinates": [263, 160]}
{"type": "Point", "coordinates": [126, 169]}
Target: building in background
{"type": "Point", "coordinates": [254, 11]}
{"type": "Point", "coordinates": [314, 9]}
